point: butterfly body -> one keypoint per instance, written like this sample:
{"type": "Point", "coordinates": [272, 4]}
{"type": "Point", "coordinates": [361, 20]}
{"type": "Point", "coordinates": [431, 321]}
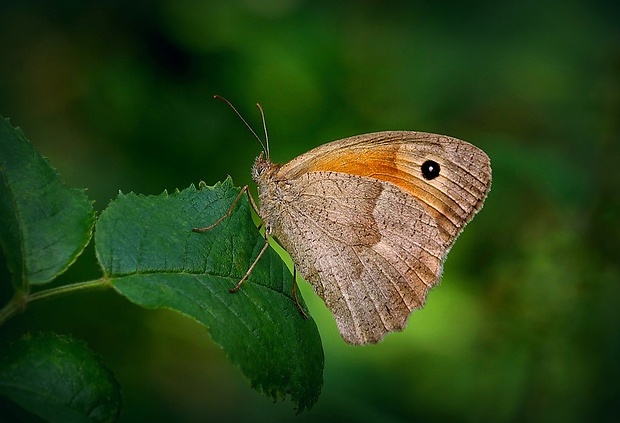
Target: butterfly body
{"type": "Point", "coordinates": [368, 220]}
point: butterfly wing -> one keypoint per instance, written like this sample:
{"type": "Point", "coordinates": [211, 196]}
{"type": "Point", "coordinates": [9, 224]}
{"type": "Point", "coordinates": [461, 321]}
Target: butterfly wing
{"type": "Point", "coordinates": [369, 250]}
{"type": "Point", "coordinates": [452, 198]}
{"type": "Point", "coordinates": [368, 230]}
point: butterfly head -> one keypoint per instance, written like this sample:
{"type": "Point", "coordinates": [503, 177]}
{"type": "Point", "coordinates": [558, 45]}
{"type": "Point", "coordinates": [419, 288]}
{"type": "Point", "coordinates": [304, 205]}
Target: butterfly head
{"type": "Point", "coordinates": [263, 169]}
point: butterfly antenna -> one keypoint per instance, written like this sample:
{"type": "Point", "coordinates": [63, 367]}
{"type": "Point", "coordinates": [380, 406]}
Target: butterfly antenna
{"type": "Point", "coordinates": [262, 114]}
{"type": "Point", "coordinates": [266, 149]}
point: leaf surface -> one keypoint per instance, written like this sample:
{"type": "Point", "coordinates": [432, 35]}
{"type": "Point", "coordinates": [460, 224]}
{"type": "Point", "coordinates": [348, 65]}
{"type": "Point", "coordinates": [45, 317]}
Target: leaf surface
{"type": "Point", "coordinates": [45, 224]}
{"type": "Point", "coordinates": [59, 380]}
{"type": "Point", "coordinates": [146, 247]}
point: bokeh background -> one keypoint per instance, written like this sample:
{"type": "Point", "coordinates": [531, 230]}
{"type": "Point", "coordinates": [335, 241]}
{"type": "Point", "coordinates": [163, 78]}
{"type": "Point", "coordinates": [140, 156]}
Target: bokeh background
{"type": "Point", "coordinates": [524, 327]}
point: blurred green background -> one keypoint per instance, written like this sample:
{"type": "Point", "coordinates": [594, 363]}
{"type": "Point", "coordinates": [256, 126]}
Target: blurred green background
{"type": "Point", "coordinates": [524, 327]}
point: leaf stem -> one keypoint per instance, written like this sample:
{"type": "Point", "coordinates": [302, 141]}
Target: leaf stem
{"type": "Point", "coordinates": [65, 289]}
{"type": "Point", "coordinates": [20, 299]}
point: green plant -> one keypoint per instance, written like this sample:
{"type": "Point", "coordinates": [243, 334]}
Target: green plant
{"type": "Point", "coordinates": [148, 253]}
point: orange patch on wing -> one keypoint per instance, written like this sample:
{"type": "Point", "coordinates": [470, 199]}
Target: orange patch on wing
{"type": "Point", "coordinates": [383, 164]}
{"type": "Point", "coordinates": [391, 165]}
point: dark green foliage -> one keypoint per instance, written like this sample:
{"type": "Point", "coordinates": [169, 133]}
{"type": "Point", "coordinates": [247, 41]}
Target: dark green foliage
{"type": "Point", "coordinates": [58, 379]}
{"type": "Point", "coordinates": [148, 253]}
{"type": "Point", "coordinates": [45, 224]}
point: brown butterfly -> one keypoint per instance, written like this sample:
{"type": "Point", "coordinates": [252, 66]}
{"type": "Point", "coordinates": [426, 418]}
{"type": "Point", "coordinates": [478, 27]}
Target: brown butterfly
{"type": "Point", "coordinates": [368, 220]}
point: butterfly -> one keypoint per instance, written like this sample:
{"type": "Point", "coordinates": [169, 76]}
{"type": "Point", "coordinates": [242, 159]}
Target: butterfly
{"type": "Point", "coordinates": [369, 220]}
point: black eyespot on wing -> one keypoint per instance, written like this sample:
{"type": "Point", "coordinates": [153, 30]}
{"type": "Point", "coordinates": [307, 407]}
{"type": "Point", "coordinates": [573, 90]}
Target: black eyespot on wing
{"type": "Point", "coordinates": [430, 169]}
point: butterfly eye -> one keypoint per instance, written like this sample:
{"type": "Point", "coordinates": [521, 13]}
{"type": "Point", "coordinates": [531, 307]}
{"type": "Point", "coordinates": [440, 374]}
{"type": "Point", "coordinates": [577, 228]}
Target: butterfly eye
{"type": "Point", "coordinates": [430, 170]}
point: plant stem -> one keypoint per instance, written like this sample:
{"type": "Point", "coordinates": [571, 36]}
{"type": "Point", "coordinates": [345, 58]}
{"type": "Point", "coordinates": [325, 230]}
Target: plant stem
{"type": "Point", "coordinates": [16, 304]}
{"type": "Point", "coordinates": [20, 299]}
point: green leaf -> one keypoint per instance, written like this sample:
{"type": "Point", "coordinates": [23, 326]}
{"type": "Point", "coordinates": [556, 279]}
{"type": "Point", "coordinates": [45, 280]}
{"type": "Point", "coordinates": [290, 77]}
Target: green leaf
{"type": "Point", "coordinates": [147, 249]}
{"type": "Point", "coordinates": [59, 380]}
{"type": "Point", "coordinates": [44, 225]}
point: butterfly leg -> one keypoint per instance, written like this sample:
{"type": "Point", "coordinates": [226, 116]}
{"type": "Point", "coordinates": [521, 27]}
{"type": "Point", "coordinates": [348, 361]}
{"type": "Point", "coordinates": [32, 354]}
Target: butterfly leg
{"type": "Point", "coordinates": [244, 190]}
{"type": "Point", "coordinates": [301, 310]}
{"type": "Point", "coordinates": [247, 274]}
